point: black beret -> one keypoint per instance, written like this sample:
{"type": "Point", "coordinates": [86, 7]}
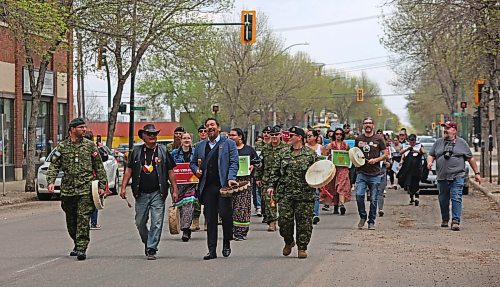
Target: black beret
{"type": "Point", "coordinates": [76, 122]}
{"type": "Point", "coordinates": [276, 129]}
{"type": "Point", "coordinates": [297, 131]}
{"type": "Point", "coordinates": [179, 129]}
{"type": "Point", "coordinates": [267, 129]}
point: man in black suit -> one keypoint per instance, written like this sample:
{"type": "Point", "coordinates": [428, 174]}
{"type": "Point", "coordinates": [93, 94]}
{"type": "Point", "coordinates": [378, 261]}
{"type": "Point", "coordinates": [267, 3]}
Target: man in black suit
{"type": "Point", "coordinates": [215, 163]}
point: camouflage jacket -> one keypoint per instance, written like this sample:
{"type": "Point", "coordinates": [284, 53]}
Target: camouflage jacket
{"type": "Point", "coordinates": [269, 161]}
{"type": "Point", "coordinates": [78, 161]}
{"type": "Point", "coordinates": [289, 176]}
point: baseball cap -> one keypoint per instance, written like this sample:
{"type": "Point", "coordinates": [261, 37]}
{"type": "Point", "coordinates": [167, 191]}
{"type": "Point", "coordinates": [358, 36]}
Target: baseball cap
{"type": "Point", "coordinates": [450, 124]}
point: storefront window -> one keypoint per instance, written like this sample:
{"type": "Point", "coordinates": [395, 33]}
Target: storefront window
{"type": "Point", "coordinates": [43, 141]}
{"type": "Point", "coordinates": [7, 109]}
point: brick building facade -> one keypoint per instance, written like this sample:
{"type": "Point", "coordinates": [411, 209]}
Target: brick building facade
{"type": "Point", "coordinates": [56, 106]}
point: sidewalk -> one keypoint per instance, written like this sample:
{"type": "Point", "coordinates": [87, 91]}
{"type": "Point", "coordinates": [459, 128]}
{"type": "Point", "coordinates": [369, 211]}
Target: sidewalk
{"type": "Point", "coordinates": [14, 193]}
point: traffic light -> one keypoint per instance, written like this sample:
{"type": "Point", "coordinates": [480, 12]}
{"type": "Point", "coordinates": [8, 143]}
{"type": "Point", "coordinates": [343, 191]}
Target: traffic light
{"type": "Point", "coordinates": [248, 27]}
{"type": "Point", "coordinates": [122, 108]}
{"type": "Point", "coordinates": [360, 95]}
{"type": "Point", "coordinates": [379, 112]}
{"type": "Point", "coordinates": [478, 87]}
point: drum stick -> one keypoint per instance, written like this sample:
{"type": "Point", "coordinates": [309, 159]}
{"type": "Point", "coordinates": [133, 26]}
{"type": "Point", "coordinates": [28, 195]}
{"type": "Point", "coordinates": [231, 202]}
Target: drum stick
{"type": "Point", "coordinates": [128, 203]}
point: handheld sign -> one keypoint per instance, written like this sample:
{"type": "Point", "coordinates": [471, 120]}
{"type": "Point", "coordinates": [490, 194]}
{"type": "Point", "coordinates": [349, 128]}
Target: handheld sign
{"type": "Point", "coordinates": [183, 174]}
{"type": "Point", "coordinates": [244, 166]}
{"type": "Point", "coordinates": [341, 158]}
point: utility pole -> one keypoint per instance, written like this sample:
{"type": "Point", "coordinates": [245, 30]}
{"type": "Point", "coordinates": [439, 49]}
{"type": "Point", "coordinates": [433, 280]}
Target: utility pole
{"type": "Point", "coordinates": [132, 83]}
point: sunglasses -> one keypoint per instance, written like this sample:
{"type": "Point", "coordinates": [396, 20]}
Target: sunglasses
{"type": "Point", "coordinates": [275, 135]}
{"type": "Point", "coordinates": [368, 123]}
{"type": "Point", "coordinates": [310, 136]}
{"type": "Point", "coordinates": [401, 135]}
{"type": "Point", "coordinates": [339, 134]}
{"type": "Point", "coordinates": [266, 133]}
{"type": "Point", "coordinates": [150, 134]}
{"type": "Point", "coordinates": [202, 131]}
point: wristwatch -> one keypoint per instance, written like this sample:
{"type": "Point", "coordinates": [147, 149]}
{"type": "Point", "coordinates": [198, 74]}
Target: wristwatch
{"type": "Point", "coordinates": [477, 173]}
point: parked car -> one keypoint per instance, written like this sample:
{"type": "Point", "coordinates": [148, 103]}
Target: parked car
{"type": "Point", "coordinates": [110, 166]}
{"type": "Point", "coordinates": [426, 141]}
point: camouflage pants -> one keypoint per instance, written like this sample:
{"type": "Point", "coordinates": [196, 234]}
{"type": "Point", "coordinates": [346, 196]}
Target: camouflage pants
{"type": "Point", "coordinates": [270, 213]}
{"type": "Point", "coordinates": [78, 209]}
{"type": "Point", "coordinates": [301, 212]}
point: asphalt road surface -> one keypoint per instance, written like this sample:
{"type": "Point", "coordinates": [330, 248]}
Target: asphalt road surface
{"type": "Point", "coordinates": [407, 249]}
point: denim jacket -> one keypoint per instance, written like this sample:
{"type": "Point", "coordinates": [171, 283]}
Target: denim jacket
{"type": "Point", "coordinates": [178, 155]}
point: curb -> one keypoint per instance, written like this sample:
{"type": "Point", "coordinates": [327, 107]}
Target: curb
{"type": "Point", "coordinates": [16, 200]}
{"type": "Point", "coordinates": [486, 192]}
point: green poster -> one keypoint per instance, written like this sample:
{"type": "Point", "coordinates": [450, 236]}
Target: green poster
{"type": "Point", "coordinates": [244, 168]}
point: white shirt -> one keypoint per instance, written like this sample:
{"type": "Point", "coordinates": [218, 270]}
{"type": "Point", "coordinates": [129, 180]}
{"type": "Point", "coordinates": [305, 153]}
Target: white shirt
{"type": "Point", "coordinates": [212, 144]}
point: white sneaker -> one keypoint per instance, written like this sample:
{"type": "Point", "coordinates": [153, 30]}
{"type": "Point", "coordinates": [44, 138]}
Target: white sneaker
{"type": "Point", "coordinates": [258, 212]}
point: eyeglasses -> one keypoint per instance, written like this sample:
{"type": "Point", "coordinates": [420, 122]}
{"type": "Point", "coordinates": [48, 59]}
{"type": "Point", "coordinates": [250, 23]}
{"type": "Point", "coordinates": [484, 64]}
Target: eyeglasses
{"type": "Point", "coordinates": [202, 131]}
{"type": "Point", "coordinates": [368, 123]}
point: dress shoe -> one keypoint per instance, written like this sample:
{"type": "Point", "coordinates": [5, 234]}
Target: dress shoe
{"type": "Point", "coordinates": [342, 209]}
{"type": "Point", "coordinates": [210, 255]}
{"type": "Point", "coordinates": [288, 248]}
{"type": "Point", "coordinates": [80, 255]}
{"type": "Point", "coordinates": [226, 249]}
{"type": "Point", "coordinates": [73, 252]}
{"type": "Point", "coordinates": [302, 254]}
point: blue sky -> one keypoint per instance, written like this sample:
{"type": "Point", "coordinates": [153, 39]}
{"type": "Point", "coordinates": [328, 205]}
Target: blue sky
{"type": "Point", "coordinates": [351, 42]}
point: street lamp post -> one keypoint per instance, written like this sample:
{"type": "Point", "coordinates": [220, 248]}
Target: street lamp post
{"type": "Point", "coordinates": [385, 123]}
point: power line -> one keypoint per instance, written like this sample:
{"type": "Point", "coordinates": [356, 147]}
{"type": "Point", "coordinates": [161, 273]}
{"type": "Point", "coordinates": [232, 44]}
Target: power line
{"type": "Point", "coordinates": [295, 28]}
{"type": "Point", "coordinates": [354, 61]}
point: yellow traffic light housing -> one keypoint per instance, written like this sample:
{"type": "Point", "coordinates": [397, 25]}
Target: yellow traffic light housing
{"type": "Point", "coordinates": [360, 96]}
{"type": "Point", "coordinates": [478, 87]}
{"type": "Point", "coordinates": [379, 112]}
{"type": "Point", "coordinates": [248, 27]}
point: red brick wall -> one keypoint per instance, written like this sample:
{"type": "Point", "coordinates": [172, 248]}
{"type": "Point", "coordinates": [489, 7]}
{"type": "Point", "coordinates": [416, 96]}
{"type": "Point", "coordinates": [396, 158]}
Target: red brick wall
{"type": "Point", "coordinates": [7, 45]}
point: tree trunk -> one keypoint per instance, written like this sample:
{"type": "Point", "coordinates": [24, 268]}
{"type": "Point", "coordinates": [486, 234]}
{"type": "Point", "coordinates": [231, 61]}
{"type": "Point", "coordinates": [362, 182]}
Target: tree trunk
{"type": "Point", "coordinates": [114, 112]}
{"type": "Point", "coordinates": [484, 159]}
{"type": "Point", "coordinates": [172, 111]}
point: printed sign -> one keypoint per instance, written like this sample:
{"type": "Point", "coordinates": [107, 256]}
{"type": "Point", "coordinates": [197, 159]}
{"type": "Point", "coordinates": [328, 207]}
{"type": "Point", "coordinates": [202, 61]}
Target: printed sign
{"type": "Point", "coordinates": [183, 174]}
{"type": "Point", "coordinates": [350, 143]}
{"type": "Point", "coordinates": [244, 168]}
{"type": "Point", "coordinates": [341, 158]}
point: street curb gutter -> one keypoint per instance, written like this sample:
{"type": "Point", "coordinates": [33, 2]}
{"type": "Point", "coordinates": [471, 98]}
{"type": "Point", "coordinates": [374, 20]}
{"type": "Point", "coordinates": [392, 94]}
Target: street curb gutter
{"type": "Point", "coordinates": [486, 192]}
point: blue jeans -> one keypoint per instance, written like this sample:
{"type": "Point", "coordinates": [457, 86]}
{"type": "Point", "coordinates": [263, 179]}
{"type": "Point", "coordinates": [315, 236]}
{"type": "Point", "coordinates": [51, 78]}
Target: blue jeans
{"type": "Point", "coordinates": [316, 203]}
{"type": "Point", "coordinates": [453, 189]}
{"type": "Point", "coordinates": [93, 218]}
{"type": "Point", "coordinates": [373, 183]}
{"type": "Point", "coordinates": [256, 195]}
{"type": "Point", "coordinates": [145, 204]}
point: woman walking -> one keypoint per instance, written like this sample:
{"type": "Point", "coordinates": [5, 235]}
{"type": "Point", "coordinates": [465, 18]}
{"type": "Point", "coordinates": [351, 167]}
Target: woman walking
{"type": "Point", "coordinates": [187, 195]}
{"type": "Point", "coordinates": [411, 170]}
{"type": "Point", "coordinates": [242, 201]}
{"type": "Point", "coordinates": [312, 138]}
{"type": "Point", "coordinates": [340, 186]}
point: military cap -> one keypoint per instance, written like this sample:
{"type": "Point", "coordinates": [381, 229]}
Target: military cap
{"type": "Point", "coordinates": [297, 131]}
{"type": "Point", "coordinates": [276, 129]}
{"type": "Point", "coordinates": [76, 122]}
{"type": "Point", "coordinates": [179, 129]}
{"type": "Point", "coordinates": [267, 129]}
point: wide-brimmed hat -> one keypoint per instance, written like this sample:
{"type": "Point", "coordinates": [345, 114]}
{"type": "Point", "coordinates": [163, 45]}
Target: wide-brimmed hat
{"type": "Point", "coordinates": [149, 128]}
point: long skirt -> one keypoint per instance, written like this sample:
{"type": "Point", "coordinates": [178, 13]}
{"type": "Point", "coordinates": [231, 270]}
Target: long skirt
{"type": "Point", "coordinates": [185, 202]}
{"type": "Point", "coordinates": [340, 185]}
{"type": "Point", "coordinates": [242, 208]}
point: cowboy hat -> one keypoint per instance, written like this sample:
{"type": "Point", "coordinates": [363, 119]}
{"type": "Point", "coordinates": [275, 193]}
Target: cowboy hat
{"type": "Point", "coordinates": [148, 128]}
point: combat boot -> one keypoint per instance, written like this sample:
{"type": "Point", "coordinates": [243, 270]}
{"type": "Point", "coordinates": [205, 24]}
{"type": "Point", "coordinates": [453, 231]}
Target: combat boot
{"type": "Point", "coordinates": [288, 248]}
{"type": "Point", "coordinates": [272, 226]}
{"type": "Point", "coordinates": [195, 225]}
{"type": "Point", "coordinates": [302, 254]}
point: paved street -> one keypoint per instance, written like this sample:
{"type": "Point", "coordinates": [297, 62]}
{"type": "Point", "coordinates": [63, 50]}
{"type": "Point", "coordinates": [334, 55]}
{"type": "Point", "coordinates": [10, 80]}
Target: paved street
{"type": "Point", "coordinates": [407, 249]}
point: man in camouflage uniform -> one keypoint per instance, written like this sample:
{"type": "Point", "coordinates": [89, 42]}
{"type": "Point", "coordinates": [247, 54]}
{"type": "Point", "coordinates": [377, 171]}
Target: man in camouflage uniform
{"type": "Point", "coordinates": [79, 159]}
{"type": "Point", "coordinates": [257, 187]}
{"type": "Point", "coordinates": [177, 139]}
{"type": "Point", "coordinates": [295, 197]}
{"type": "Point", "coordinates": [269, 162]}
